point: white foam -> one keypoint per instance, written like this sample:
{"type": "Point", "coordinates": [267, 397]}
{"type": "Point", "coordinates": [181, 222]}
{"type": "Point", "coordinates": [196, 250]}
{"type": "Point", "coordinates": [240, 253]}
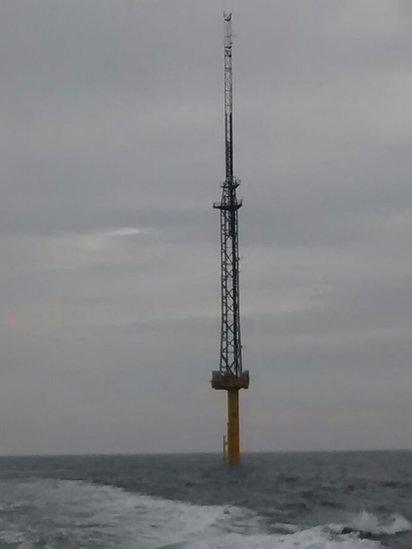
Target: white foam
{"type": "Point", "coordinates": [368, 522]}
{"type": "Point", "coordinates": [83, 514]}
{"type": "Point", "coordinates": [11, 536]}
{"type": "Point", "coordinates": [313, 538]}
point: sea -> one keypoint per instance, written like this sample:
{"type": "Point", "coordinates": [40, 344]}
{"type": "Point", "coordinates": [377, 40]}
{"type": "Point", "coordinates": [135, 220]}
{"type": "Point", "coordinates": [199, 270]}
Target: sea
{"type": "Point", "coordinates": [317, 500]}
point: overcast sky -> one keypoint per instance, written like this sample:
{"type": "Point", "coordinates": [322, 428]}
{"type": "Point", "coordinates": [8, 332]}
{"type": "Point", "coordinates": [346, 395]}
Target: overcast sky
{"type": "Point", "coordinates": [111, 154]}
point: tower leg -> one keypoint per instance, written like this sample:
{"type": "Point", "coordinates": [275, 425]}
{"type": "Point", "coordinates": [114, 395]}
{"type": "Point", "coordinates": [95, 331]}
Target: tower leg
{"type": "Point", "coordinates": [233, 446]}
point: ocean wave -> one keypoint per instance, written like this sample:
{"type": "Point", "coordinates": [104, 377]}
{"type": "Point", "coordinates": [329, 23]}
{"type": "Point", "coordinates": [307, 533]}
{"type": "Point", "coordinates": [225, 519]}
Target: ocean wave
{"type": "Point", "coordinates": [313, 538]}
{"type": "Point", "coordinates": [368, 522]}
{"type": "Point", "coordinates": [12, 537]}
{"type": "Point", "coordinates": [88, 515]}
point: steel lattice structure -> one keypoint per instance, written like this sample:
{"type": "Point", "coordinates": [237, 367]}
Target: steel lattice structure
{"type": "Point", "coordinates": [230, 376]}
{"type": "Point", "coordinates": [230, 343]}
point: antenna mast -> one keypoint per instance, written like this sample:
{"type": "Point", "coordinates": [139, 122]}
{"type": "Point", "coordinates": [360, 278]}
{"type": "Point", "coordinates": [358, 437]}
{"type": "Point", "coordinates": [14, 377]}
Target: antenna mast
{"type": "Point", "coordinates": [230, 376]}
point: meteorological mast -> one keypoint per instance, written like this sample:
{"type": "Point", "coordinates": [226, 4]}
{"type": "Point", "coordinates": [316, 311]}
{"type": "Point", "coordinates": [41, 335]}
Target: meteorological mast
{"type": "Point", "coordinates": [230, 377]}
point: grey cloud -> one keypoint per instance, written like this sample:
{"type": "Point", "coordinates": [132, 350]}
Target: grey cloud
{"type": "Point", "coordinates": [112, 120]}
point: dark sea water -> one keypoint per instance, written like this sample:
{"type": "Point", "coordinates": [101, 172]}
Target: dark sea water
{"type": "Point", "coordinates": [287, 501]}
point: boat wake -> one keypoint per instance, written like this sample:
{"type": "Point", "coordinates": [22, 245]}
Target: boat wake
{"type": "Point", "coordinates": [60, 513]}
